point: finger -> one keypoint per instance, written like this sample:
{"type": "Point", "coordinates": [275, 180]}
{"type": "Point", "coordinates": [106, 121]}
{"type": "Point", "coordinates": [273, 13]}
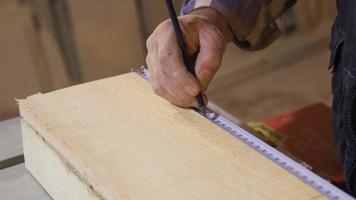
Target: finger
{"type": "Point", "coordinates": [195, 104]}
{"type": "Point", "coordinates": [161, 82]}
{"type": "Point", "coordinates": [160, 91]}
{"type": "Point", "coordinates": [151, 45]}
{"type": "Point", "coordinates": [165, 94]}
{"type": "Point", "coordinates": [171, 62]}
{"type": "Point", "coordinates": [212, 47]}
{"type": "Point", "coordinates": [181, 98]}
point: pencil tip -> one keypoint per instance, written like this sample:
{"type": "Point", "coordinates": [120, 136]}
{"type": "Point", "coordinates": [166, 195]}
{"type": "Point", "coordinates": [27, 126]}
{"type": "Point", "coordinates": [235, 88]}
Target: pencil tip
{"type": "Point", "coordinates": [202, 110]}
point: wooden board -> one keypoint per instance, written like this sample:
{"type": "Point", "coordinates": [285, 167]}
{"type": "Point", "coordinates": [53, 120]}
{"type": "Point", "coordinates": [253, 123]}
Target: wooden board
{"type": "Point", "coordinates": [46, 165]}
{"type": "Point", "coordinates": [124, 142]}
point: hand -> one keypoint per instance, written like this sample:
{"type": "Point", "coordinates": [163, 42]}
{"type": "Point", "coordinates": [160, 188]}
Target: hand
{"type": "Point", "coordinates": [204, 31]}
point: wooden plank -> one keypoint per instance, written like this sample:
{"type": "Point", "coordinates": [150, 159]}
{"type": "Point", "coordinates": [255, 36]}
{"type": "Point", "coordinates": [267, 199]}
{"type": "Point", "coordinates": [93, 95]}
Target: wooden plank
{"type": "Point", "coordinates": [17, 183]}
{"type": "Point", "coordinates": [124, 142]}
{"type": "Point", "coordinates": [45, 164]}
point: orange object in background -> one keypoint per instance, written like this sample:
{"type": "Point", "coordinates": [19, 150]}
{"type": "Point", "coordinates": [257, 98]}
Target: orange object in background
{"type": "Point", "coordinates": [306, 135]}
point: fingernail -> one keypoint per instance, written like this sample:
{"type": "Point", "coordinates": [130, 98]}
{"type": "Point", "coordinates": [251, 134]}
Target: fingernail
{"type": "Point", "coordinates": [194, 104]}
{"type": "Point", "coordinates": [191, 90]}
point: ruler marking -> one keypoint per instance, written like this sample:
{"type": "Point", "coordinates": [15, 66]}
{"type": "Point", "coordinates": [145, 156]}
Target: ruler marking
{"type": "Point", "coordinates": [310, 178]}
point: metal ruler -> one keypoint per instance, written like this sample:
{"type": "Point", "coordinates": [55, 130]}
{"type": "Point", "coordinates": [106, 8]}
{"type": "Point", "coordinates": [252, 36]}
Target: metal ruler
{"type": "Point", "coordinates": [323, 186]}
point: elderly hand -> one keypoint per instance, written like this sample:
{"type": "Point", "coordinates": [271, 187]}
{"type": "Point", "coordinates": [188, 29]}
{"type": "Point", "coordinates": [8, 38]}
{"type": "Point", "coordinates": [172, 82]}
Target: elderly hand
{"type": "Point", "coordinates": [206, 32]}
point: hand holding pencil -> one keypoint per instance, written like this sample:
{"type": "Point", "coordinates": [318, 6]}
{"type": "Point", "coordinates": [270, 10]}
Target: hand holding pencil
{"type": "Point", "coordinates": [204, 32]}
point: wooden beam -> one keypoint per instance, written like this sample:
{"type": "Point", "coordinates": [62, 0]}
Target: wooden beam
{"type": "Point", "coordinates": [123, 142]}
{"type": "Point", "coordinates": [50, 170]}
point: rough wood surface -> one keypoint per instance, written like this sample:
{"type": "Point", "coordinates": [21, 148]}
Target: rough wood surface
{"type": "Point", "coordinates": [46, 165]}
{"type": "Point", "coordinates": [128, 143]}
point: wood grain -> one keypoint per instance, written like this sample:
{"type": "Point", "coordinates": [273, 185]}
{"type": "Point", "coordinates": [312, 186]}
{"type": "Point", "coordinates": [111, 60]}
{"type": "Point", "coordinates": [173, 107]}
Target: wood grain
{"type": "Point", "coordinates": [128, 143]}
{"type": "Point", "coordinates": [50, 170]}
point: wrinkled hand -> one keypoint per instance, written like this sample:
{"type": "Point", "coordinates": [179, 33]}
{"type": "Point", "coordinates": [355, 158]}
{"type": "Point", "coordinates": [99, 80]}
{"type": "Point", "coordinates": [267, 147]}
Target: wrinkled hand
{"type": "Point", "coordinates": [204, 31]}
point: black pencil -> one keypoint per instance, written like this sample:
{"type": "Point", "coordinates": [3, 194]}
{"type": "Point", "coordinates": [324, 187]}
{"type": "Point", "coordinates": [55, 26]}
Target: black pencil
{"type": "Point", "coordinates": [189, 61]}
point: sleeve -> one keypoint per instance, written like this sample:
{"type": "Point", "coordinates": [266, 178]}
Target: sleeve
{"type": "Point", "coordinates": [253, 22]}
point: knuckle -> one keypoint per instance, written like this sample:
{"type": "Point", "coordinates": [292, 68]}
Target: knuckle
{"type": "Point", "coordinates": [163, 56]}
{"type": "Point", "coordinates": [159, 76]}
{"type": "Point", "coordinates": [214, 32]}
{"type": "Point", "coordinates": [178, 73]}
{"type": "Point", "coordinates": [166, 68]}
{"type": "Point", "coordinates": [177, 78]}
{"type": "Point", "coordinates": [166, 24]}
{"type": "Point", "coordinates": [181, 79]}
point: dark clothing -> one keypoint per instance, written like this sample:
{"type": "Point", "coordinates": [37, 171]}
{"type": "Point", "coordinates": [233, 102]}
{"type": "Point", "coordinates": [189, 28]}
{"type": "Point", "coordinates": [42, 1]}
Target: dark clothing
{"type": "Point", "coordinates": [254, 27]}
{"type": "Point", "coordinates": [251, 21]}
{"type": "Point", "coordinates": [343, 66]}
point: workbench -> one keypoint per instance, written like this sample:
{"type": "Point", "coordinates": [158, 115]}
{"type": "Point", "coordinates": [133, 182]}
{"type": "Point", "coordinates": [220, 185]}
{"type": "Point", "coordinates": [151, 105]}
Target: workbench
{"type": "Point", "coordinates": [16, 183]}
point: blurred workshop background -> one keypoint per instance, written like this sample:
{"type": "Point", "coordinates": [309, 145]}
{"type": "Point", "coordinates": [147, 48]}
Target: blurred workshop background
{"type": "Point", "coordinates": [50, 44]}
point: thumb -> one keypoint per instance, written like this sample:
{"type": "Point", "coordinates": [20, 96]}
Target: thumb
{"type": "Point", "coordinates": [212, 47]}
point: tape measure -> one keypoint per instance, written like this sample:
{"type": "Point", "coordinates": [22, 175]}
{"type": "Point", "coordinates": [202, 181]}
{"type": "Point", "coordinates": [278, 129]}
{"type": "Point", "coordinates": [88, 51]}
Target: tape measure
{"type": "Point", "coordinates": [323, 186]}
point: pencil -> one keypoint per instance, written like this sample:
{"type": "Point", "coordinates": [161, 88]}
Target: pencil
{"type": "Point", "coordinates": [189, 60]}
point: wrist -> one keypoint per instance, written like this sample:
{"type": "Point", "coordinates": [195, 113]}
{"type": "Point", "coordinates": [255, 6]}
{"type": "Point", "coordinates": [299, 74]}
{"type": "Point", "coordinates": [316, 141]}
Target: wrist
{"type": "Point", "coordinates": [216, 20]}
